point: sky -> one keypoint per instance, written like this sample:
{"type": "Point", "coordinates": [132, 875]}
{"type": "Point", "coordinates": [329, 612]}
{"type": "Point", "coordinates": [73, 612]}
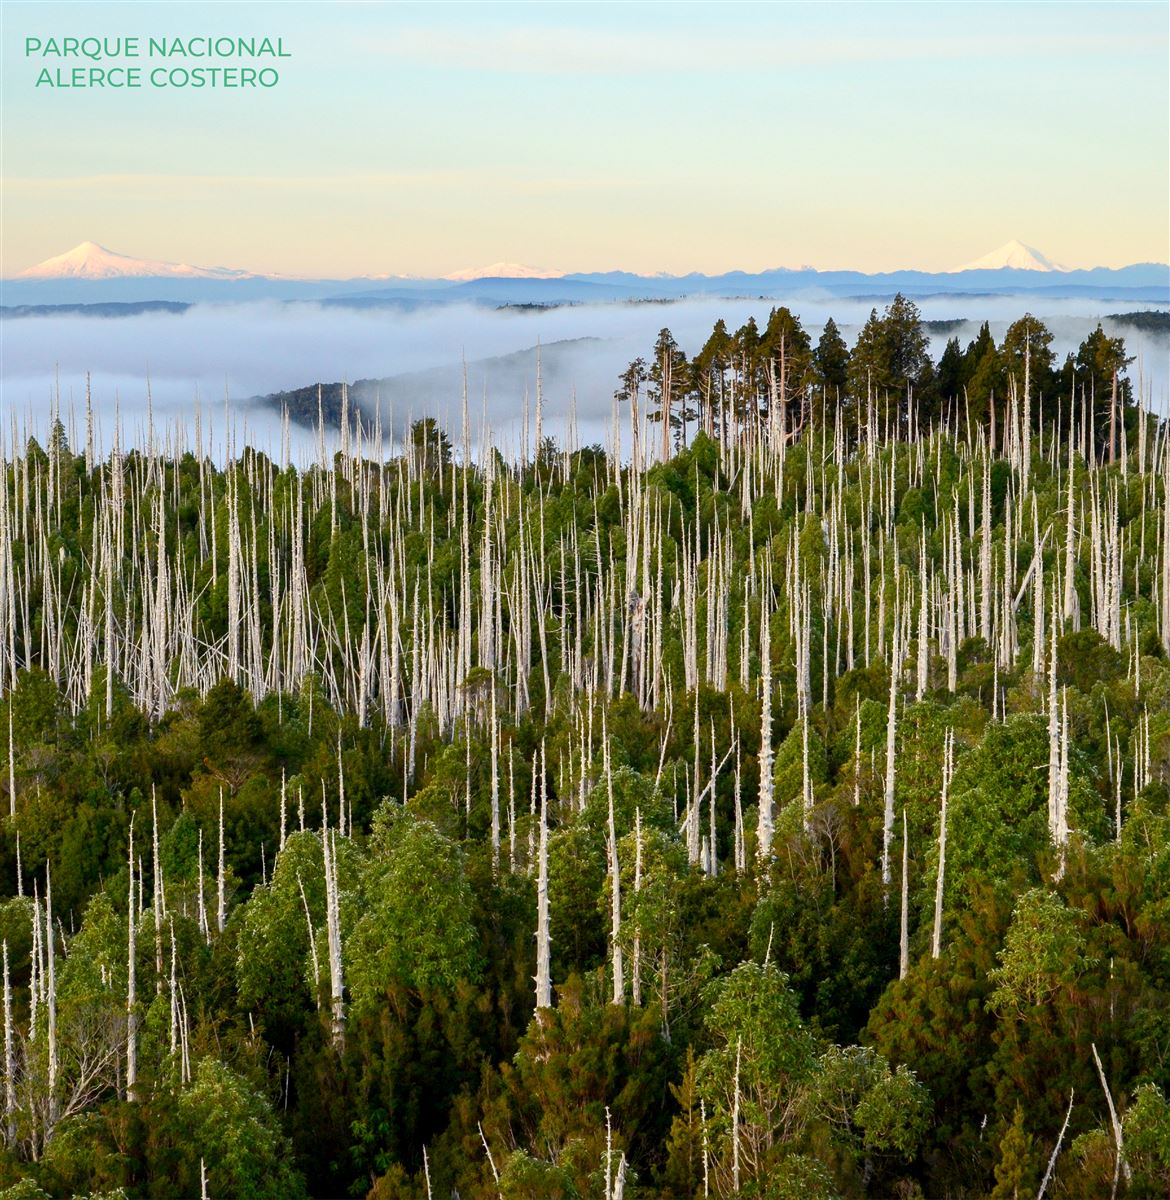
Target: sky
{"type": "Point", "coordinates": [405, 139]}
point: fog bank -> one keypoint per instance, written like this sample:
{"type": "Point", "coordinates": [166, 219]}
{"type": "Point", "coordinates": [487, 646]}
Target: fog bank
{"type": "Point", "coordinates": [161, 367]}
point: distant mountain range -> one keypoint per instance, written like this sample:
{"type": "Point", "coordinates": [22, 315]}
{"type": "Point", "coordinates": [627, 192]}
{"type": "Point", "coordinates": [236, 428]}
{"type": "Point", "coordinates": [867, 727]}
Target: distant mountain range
{"type": "Point", "coordinates": [92, 274]}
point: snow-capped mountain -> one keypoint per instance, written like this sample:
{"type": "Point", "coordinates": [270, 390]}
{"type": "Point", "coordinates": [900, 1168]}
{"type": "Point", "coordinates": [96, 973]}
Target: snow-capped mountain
{"type": "Point", "coordinates": [91, 274]}
{"type": "Point", "coordinates": [91, 261]}
{"type": "Point", "coordinates": [502, 270]}
{"type": "Point", "coordinates": [1012, 254]}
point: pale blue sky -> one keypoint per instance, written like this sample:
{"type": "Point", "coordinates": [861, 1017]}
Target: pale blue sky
{"type": "Point", "coordinates": [669, 137]}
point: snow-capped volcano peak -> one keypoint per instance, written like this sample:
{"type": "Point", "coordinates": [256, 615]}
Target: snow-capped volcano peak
{"type": "Point", "coordinates": [91, 261]}
{"type": "Point", "coordinates": [1013, 254]}
{"type": "Point", "coordinates": [502, 270]}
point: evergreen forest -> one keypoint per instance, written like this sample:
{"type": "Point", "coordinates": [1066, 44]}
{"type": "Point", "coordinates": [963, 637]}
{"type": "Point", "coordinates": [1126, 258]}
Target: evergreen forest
{"type": "Point", "coordinates": [771, 802]}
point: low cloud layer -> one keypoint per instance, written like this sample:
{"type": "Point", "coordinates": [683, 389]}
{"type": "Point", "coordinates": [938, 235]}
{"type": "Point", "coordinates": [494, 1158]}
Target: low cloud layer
{"type": "Point", "coordinates": [243, 351]}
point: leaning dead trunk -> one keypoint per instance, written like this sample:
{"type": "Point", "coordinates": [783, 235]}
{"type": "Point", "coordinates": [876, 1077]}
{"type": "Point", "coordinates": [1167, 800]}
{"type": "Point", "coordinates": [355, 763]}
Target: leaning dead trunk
{"type": "Point", "coordinates": [543, 947]}
{"type": "Point", "coordinates": [636, 979]}
{"type": "Point", "coordinates": [220, 910]}
{"type": "Point", "coordinates": [619, 989]}
{"type": "Point", "coordinates": [765, 819]}
{"type": "Point", "coordinates": [891, 746]}
{"type": "Point", "coordinates": [157, 902]}
{"type": "Point", "coordinates": [333, 937]}
{"type": "Point", "coordinates": [904, 923]}
{"type": "Point", "coordinates": [9, 1057]}
{"type": "Point", "coordinates": [51, 997]}
{"type": "Point", "coordinates": [948, 768]}
{"type": "Point", "coordinates": [131, 983]}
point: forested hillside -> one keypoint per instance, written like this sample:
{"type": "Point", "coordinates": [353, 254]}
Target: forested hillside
{"type": "Point", "coordinates": [772, 803]}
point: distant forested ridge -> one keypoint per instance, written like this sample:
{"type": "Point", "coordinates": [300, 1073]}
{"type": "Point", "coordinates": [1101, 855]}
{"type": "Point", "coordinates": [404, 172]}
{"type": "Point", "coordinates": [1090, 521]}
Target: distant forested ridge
{"type": "Point", "coordinates": [1156, 321]}
{"type": "Point", "coordinates": [770, 803]}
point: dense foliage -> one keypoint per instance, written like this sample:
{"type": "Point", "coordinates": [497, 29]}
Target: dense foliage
{"type": "Point", "coordinates": [297, 758]}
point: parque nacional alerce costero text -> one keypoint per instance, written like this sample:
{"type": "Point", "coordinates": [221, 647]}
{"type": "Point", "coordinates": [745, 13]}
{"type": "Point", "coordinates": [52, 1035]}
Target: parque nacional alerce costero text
{"type": "Point", "coordinates": [205, 61]}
